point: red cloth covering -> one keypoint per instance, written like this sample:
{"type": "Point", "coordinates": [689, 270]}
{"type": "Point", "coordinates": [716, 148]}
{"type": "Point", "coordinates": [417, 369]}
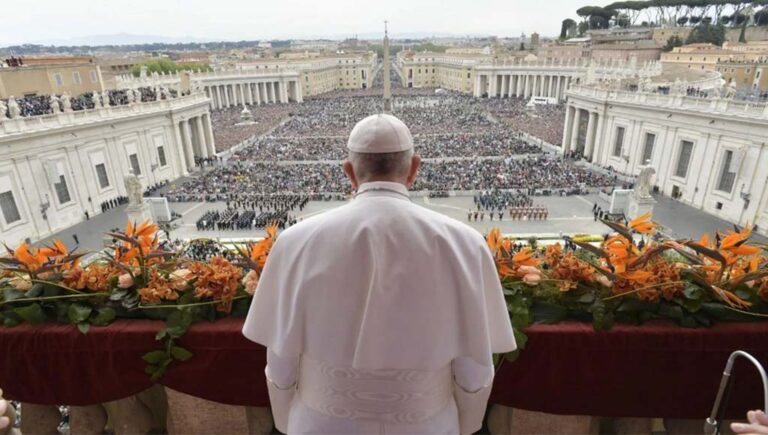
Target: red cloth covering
{"type": "Point", "coordinates": [57, 365]}
{"type": "Point", "coordinates": [654, 370]}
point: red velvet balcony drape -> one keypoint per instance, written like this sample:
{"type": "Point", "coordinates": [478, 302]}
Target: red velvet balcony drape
{"type": "Point", "coordinates": [654, 370]}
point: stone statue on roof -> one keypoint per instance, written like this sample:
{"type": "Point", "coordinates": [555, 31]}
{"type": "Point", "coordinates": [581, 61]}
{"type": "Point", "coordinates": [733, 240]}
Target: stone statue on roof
{"type": "Point", "coordinates": [13, 108]}
{"type": "Point", "coordinates": [3, 110]}
{"type": "Point", "coordinates": [66, 102]}
{"type": "Point", "coordinates": [53, 101]}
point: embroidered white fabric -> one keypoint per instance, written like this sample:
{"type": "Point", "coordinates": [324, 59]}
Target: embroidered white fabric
{"type": "Point", "coordinates": [384, 395]}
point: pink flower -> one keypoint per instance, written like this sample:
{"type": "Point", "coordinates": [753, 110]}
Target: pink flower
{"type": "Point", "coordinates": [528, 270]}
{"type": "Point", "coordinates": [125, 281]}
{"type": "Point", "coordinates": [250, 282]}
{"type": "Point", "coordinates": [180, 279]}
{"type": "Point", "coordinates": [603, 280]}
{"type": "Point", "coordinates": [532, 279]}
{"type": "Point", "coordinates": [21, 283]}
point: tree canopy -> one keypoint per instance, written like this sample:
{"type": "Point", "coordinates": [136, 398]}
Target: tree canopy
{"type": "Point", "coordinates": [167, 66]}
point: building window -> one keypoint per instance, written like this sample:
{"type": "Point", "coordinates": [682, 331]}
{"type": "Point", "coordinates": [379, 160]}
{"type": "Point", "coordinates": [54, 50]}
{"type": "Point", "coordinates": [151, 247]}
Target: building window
{"type": "Point", "coordinates": [62, 192]}
{"type": "Point", "coordinates": [727, 177]}
{"type": "Point", "coordinates": [101, 173]}
{"type": "Point", "coordinates": [619, 141]}
{"type": "Point", "coordinates": [650, 140]}
{"type": "Point", "coordinates": [94, 77]}
{"type": "Point", "coordinates": [686, 149]}
{"type": "Point", "coordinates": [135, 164]}
{"type": "Point", "coordinates": [161, 156]}
{"type": "Point", "coordinates": [76, 77]}
{"type": "Point", "coordinates": [59, 80]}
{"type": "Point", "coordinates": [8, 207]}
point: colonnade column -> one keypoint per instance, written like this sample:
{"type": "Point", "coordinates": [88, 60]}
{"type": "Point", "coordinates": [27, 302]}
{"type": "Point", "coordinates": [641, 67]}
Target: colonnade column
{"type": "Point", "coordinates": [209, 135]}
{"type": "Point", "coordinates": [598, 146]}
{"type": "Point", "coordinates": [225, 91]}
{"type": "Point", "coordinates": [589, 142]}
{"type": "Point", "coordinates": [257, 92]}
{"type": "Point", "coordinates": [567, 128]}
{"type": "Point", "coordinates": [186, 142]}
{"type": "Point", "coordinates": [201, 137]}
{"type": "Point", "coordinates": [242, 94]}
{"type": "Point", "coordinates": [575, 132]}
{"type": "Point", "coordinates": [519, 85]}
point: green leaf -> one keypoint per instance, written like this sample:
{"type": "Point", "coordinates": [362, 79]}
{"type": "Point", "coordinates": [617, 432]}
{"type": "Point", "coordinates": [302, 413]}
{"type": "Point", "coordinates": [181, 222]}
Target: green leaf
{"type": "Point", "coordinates": [31, 314]}
{"type": "Point", "coordinates": [512, 356]}
{"type": "Point", "coordinates": [155, 357]}
{"type": "Point", "coordinates": [118, 295]}
{"type": "Point", "coordinates": [161, 334]}
{"type": "Point", "coordinates": [520, 338]}
{"type": "Point", "coordinates": [548, 313]}
{"type": "Point", "coordinates": [104, 317]}
{"type": "Point", "coordinates": [150, 369]}
{"type": "Point", "coordinates": [78, 313]}
{"type": "Point", "coordinates": [670, 311]}
{"type": "Point", "coordinates": [180, 353]}
{"type": "Point", "coordinates": [10, 295]}
{"type": "Point", "coordinates": [10, 321]}
{"type": "Point", "coordinates": [84, 327]}
{"type": "Point", "coordinates": [35, 291]}
{"type": "Point", "coordinates": [693, 292]}
{"type": "Point", "coordinates": [634, 305]}
{"type": "Point", "coordinates": [158, 374]}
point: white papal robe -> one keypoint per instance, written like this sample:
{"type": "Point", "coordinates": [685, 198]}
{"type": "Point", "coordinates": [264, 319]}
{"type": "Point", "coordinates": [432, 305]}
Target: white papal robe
{"type": "Point", "coordinates": [380, 316]}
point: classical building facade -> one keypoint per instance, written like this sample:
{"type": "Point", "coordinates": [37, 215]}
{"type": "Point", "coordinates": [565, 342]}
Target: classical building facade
{"type": "Point", "coordinates": [56, 168]}
{"type": "Point", "coordinates": [485, 76]}
{"type": "Point", "coordinates": [57, 77]}
{"type": "Point", "coordinates": [267, 81]}
{"type": "Point", "coordinates": [709, 153]}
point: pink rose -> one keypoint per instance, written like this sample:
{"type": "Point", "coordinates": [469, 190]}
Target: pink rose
{"type": "Point", "coordinates": [250, 282]}
{"type": "Point", "coordinates": [532, 279]}
{"type": "Point", "coordinates": [125, 281]}
{"type": "Point", "coordinates": [603, 280]}
{"type": "Point", "coordinates": [528, 270]}
{"type": "Point", "coordinates": [180, 279]}
{"type": "Point", "coordinates": [21, 283]}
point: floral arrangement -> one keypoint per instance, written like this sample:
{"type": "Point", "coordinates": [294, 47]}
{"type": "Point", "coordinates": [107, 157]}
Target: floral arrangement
{"type": "Point", "coordinates": [134, 278]}
{"type": "Point", "coordinates": [691, 282]}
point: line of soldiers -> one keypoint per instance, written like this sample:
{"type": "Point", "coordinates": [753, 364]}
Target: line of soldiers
{"type": "Point", "coordinates": [536, 213]}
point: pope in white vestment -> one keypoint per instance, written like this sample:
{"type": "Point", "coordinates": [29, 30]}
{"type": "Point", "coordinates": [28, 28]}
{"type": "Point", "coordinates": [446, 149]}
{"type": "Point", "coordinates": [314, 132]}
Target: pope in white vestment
{"type": "Point", "coordinates": [380, 316]}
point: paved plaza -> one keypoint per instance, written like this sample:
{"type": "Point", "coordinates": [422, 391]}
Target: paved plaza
{"type": "Point", "coordinates": [568, 215]}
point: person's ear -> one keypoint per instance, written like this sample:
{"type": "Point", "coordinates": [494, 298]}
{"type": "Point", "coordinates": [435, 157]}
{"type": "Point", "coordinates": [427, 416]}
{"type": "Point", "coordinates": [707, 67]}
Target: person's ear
{"type": "Point", "coordinates": [415, 165]}
{"type": "Point", "coordinates": [350, 172]}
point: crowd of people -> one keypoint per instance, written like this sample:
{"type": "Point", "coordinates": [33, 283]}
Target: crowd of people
{"type": "Point", "coordinates": [544, 121]}
{"type": "Point", "coordinates": [229, 130]}
{"type": "Point", "coordinates": [497, 143]}
{"type": "Point", "coordinates": [423, 115]}
{"type": "Point", "coordinates": [543, 174]}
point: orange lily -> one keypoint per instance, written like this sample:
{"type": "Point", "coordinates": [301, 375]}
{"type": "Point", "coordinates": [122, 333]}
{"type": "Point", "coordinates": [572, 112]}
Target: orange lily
{"type": "Point", "coordinates": [642, 224]}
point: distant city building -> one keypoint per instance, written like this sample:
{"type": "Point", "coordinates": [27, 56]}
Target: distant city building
{"type": "Point", "coordinates": [50, 75]}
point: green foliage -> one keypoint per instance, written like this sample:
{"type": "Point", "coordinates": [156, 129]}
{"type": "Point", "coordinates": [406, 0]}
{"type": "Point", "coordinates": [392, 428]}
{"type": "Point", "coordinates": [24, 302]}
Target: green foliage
{"type": "Point", "coordinates": [707, 33]}
{"type": "Point", "coordinates": [761, 17]}
{"type": "Point", "coordinates": [583, 27]}
{"type": "Point", "coordinates": [672, 42]}
{"type": "Point", "coordinates": [167, 66]}
{"type": "Point", "coordinates": [565, 28]}
{"type": "Point", "coordinates": [176, 325]}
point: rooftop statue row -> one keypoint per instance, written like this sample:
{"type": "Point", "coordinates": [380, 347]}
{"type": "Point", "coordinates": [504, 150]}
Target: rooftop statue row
{"type": "Point", "coordinates": [53, 104]}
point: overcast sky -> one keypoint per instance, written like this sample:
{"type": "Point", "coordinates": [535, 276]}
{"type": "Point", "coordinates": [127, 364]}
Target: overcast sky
{"type": "Point", "coordinates": [27, 21]}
